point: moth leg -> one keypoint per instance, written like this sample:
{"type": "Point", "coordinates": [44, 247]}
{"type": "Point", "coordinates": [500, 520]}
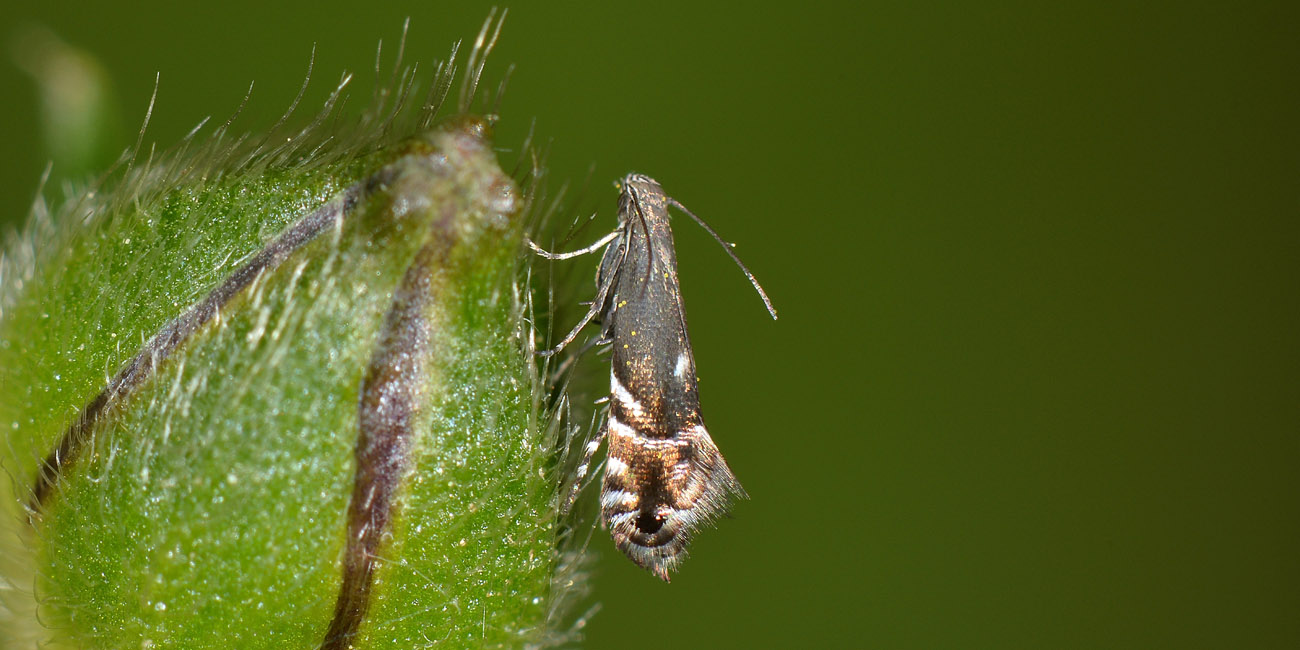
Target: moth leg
{"type": "Point", "coordinates": [600, 243]}
{"type": "Point", "coordinates": [573, 334]}
{"type": "Point", "coordinates": [602, 292]}
{"type": "Point", "coordinates": [567, 363]}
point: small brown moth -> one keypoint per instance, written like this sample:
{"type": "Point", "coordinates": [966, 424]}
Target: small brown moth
{"type": "Point", "coordinates": [664, 477]}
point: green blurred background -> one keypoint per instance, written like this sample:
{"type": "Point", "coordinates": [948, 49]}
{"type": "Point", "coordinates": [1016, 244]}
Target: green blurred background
{"type": "Point", "coordinates": [1036, 381]}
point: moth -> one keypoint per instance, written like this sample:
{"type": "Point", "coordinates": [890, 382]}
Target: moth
{"type": "Point", "coordinates": [664, 476]}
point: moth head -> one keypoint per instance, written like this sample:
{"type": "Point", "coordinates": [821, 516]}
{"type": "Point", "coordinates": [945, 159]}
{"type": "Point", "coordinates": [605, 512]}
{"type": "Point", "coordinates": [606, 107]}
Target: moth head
{"type": "Point", "coordinates": [634, 182]}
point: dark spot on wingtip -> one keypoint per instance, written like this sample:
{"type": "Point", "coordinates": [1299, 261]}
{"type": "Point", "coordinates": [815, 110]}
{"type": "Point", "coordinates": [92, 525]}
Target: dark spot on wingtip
{"type": "Point", "coordinates": [647, 522]}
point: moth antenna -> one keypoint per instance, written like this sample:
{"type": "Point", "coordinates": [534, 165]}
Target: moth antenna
{"type": "Point", "coordinates": [727, 247]}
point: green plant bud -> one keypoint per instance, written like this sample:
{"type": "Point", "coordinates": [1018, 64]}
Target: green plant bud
{"type": "Point", "coordinates": [284, 396]}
